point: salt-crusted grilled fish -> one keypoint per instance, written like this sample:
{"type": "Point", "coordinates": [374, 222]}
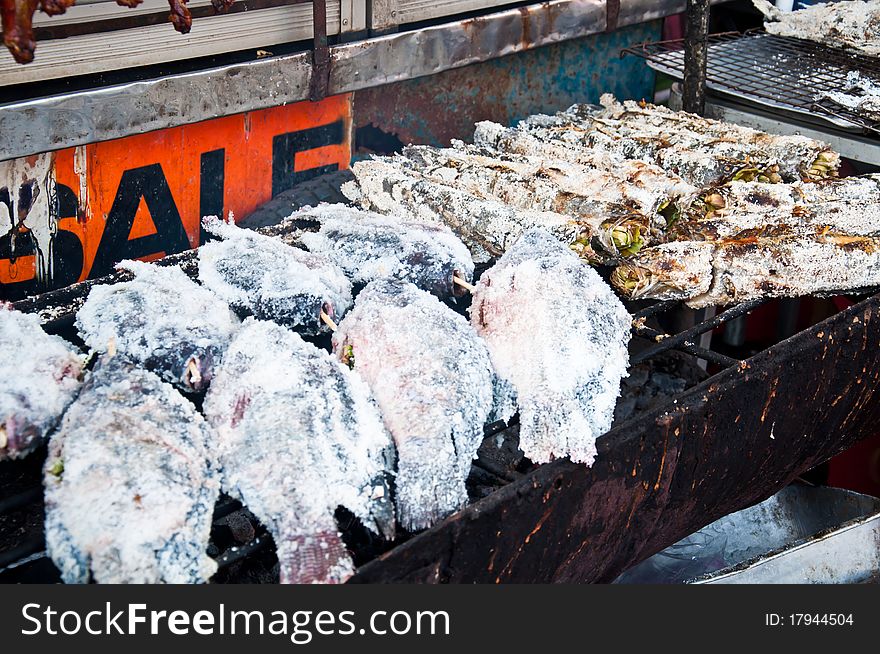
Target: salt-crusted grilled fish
{"type": "Point", "coordinates": [41, 376]}
{"type": "Point", "coordinates": [850, 205]}
{"type": "Point", "coordinates": [162, 320]}
{"type": "Point", "coordinates": [370, 246]}
{"type": "Point", "coordinates": [851, 24]}
{"type": "Point", "coordinates": [298, 435]}
{"type": "Point", "coordinates": [709, 273]}
{"type": "Point", "coordinates": [486, 226]}
{"type": "Point", "coordinates": [129, 482]}
{"type": "Point", "coordinates": [558, 334]}
{"type": "Point", "coordinates": [621, 216]}
{"type": "Point", "coordinates": [271, 280]}
{"type": "Point", "coordinates": [435, 387]}
{"type": "Point", "coordinates": [700, 150]}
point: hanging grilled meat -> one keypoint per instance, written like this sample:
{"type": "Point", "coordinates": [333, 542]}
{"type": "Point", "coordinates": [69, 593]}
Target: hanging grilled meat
{"type": "Point", "coordinates": [298, 436]}
{"type": "Point", "coordinates": [18, 17]}
{"type": "Point", "coordinates": [558, 334]}
{"type": "Point", "coordinates": [710, 273]}
{"type": "Point", "coordinates": [435, 387]}
{"type": "Point", "coordinates": [161, 319]}
{"type": "Point", "coordinates": [41, 376]}
{"type": "Point", "coordinates": [369, 246]}
{"type": "Point", "coordinates": [129, 482]}
{"type": "Point", "coordinates": [272, 280]}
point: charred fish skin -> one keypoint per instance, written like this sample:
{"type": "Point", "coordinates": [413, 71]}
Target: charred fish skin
{"type": "Point", "coordinates": [702, 151]}
{"type": "Point", "coordinates": [370, 246]}
{"type": "Point", "coordinates": [434, 384]}
{"type": "Point", "coordinates": [299, 435]}
{"type": "Point", "coordinates": [161, 319]}
{"type": "Point", "coordinates": [567, 380]}
{"type": "Point", "coordinates": [717, 273]}
{"type": "Point", "coordinates": [42, 376]}
{"type": "Point", "coordinates": [130, 482]}
{"type": "Point", "coordinates": [485, 226]}
{"type": "Point", "coordinates": [272, 280]}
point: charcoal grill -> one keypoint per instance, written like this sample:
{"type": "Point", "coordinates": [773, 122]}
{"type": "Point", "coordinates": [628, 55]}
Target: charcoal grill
{"type": "Point", "coordinates": [721, 445]}
{"type": "Point", "coordinates": [780, 73]}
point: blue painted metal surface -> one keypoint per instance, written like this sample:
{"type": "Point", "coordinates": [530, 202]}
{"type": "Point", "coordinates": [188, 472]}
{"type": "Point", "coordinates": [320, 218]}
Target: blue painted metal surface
{"type": "Point", "coordinates": [434, 109]}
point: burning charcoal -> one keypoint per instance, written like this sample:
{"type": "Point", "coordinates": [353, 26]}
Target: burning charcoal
{"type": "Point", "coordinates": [701, 151]}
{"type": "Point", "coordinates": [298, 436]}
{"type": "Point", "coordinates": [486, 226]}
{"type": "Point", "coordinates": [713, 273]}
{"type": "Point", "coordinates": [368, 246]}
{"type": "Point", "coordinates": [130, 485]}
{"type": "Point", "coordinates": [272, 280]}
{"type": "Point", "coordinates": [433, 381]}
{"type": "Point", "coordinates": [41, 376]}
{"type": "Point", "coordinates": [161, 319]}
{"type": "Point", "coordinates": [559, 335]}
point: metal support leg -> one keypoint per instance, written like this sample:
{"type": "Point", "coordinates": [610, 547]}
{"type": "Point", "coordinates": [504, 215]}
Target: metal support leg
{"type": "Point", "coordinates": [697, 31]}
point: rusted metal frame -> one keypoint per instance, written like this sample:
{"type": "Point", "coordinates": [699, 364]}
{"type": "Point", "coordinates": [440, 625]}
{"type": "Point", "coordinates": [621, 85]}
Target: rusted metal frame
{"type": "Point", "coordinates": [695, 49]}
{"type": "Point", "coordinates": [687, 346]}
{"type": "Point", "coordinates": [320, 53]}
{"type": "Point", "coordinates": [725, 444]}
{"type": "Point", "coordinates": [612, 15]}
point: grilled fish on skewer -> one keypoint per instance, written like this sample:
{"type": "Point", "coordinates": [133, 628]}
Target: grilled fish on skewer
{"type": "Point", "coordinates": [710, 273]}
{"type": "Point", "coordinates": [852, 25]}
{"type": "Point", "coordinates": [370, 246]}
{"type": "Point", "coordinates": [487, 227]}
{"type": "Point", "coordinates": [130, 483]}
{"type": "Point", "coordinates": [435, 387]}
{"type": "Point", "coordinates": [272, 280]}
{"type": "Point", "coordinates": [850, 205]}
{"type": "Point", "coordinates": [699, 150]}
{"type": "Point", "coordinates": [298, 436]}
{"type": "Point", "coordinates": [621, 222]}
{"type": "Point", "coordinates": [41, 376]}
{"type": "Point", "coordinates": [162, 320]}
{"type": "Point", "coordinates": [567, 381]}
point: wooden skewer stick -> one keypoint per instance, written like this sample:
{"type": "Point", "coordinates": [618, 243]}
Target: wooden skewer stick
{"type": "Point", "coordinates": [328, 321]}
{"type": "Point", "coordinates": [463, 284]}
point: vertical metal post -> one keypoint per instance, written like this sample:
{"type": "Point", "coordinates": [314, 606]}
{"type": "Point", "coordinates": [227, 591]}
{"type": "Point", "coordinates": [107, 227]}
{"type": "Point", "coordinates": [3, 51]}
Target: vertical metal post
{"type": "Point", "coordinates": [696, 33]}
{"type": "Point", "coordinates": [320, 52]}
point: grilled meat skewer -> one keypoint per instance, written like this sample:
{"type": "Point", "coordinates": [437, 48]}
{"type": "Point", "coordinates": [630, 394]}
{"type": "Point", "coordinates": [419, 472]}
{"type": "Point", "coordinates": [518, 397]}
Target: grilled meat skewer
{"type": "Point", "coordinates": [298, 436]}
{"type": "Point", "coordinates": [370, 246]}
{"type": "Point", "coordinates": [161, 319]}
{"type": "Point", "coordinates": [714, 273]}
{"type": "Point", "coordinates": [129, 482]}
{"type": "Point", "coordinates": [435, 387]}
{"type": "Point", "coordinates": [272, 280]}
{"type": "Point", "coordinates": [41, 376]}
{"type": "Point", "coordinates": [566, 380]}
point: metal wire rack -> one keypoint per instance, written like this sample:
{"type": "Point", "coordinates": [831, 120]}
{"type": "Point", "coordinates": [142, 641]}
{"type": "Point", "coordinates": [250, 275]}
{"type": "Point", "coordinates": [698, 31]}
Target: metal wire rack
{"type": "Point", "coordinates": [781, 73]}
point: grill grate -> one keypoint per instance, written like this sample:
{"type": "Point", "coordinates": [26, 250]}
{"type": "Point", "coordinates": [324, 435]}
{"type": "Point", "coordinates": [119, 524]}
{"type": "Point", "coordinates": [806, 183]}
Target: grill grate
{"type": "Point", "coordinates": [781, 73]}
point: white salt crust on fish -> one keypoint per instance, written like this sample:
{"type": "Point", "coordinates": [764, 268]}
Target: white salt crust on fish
{"type": "Point", "coordinates": [161, 319]}
{"type": "Point", "coordinates": [486, 227]}
{"type": "Point", "coordinates": [558, 333]}
{"type": "Point", "coordinates": [272, 280]}
{"type": "Point", "coordinates": [129, 481]}
{"type": "Point", "coordinates": [859, 93]}
{"type": "Point", "coordinates": [715, 273]}
{"type": "Point", "coordinates": [42, 377]}
{"type": "Point", "coordinates": [700, 150]}
{"type": "Point", "coordinates": [299, 435]}
{"type": "Point", "coordinates": [851, 25]}
{"type": "Point", "coordinates": [435, 387]}
{"type": "Point", "coordinates": [369, 246]}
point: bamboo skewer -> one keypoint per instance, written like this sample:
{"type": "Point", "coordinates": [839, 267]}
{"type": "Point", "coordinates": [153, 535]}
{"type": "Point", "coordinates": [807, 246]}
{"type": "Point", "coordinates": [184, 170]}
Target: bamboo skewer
{"type": "Point", "coordinates": [328, 321]}
{"type": "Point", "coordinates": [466, 285]}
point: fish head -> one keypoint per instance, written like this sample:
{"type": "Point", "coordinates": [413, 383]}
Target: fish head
{"type": "Point", "coordinates": [194, 368]}
{"type": "Point", "coordinates": [17, 438]}
{"type": "Point", "coordinates": [635, 282]}
{"type": "Point", "coordinates": [621, 236]}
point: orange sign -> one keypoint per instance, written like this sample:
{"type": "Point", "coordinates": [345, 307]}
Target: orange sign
{"type": "Point", "coordinates": [73, 214]}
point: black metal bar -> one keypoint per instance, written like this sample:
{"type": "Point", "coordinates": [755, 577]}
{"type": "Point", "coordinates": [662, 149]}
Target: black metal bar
{"type": "Point", "coordinates": [16, 554]}
{"type": "Point", "coordinates": [320, 53]}
{"type": "Point", "coordinates": [688, 347]}
{"type": "Point", "coordinates": [695, 47]}
{"type": "Point", "coordinates": [10, 504]}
